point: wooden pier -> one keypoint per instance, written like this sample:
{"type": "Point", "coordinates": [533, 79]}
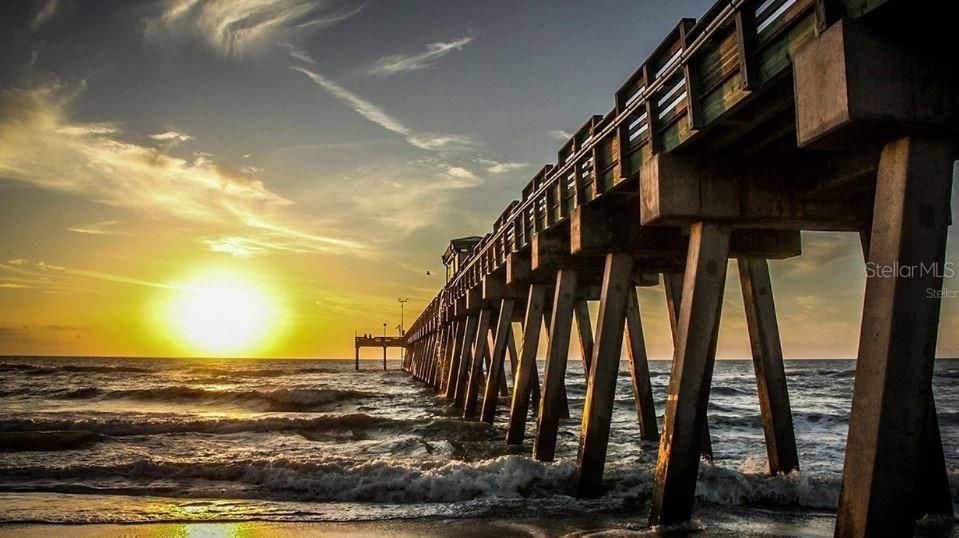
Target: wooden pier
{"type": "Point", "coordinates": [376, 341]}
{"type": "Point", "coordinates": [742, 129]}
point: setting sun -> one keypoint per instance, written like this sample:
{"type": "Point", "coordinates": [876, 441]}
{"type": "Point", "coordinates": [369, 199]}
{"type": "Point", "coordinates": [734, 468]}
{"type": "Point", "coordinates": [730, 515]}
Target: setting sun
{"type": "Point", "coordinates": [222, 314]}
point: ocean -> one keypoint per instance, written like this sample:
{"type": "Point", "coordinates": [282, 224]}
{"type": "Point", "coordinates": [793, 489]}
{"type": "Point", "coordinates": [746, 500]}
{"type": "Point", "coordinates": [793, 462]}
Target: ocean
{"type": "Point", "coordinates": [132, 440]}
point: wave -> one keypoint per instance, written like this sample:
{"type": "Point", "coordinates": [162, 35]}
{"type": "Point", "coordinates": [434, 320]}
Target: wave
{"type": "Point", "coordinates": [204, 373]}
{"type": "Point", "coordinates": [357, 423]}
{"type": "Point", "coordinates": [21, 441]}
{"type": "Point", "coordinates": [344, 479]}
{"type": "Point", "coordinates": [35, 369]}
{"type": "Point", "coordinates": [278, 400]}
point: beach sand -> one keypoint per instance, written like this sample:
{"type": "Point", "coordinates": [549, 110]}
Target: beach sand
{"type": "Point", "coordinates": [745, 522]}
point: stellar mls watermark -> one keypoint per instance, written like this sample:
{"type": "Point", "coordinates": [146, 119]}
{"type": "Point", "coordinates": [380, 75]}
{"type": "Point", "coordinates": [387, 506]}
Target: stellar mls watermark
{"type": "Point", "coordinates": [897, 270]}
{"type": "Point", "coordinates": [934, 269]}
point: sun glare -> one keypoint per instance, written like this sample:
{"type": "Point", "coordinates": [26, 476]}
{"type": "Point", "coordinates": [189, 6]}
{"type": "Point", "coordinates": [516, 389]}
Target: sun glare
{"type": "Point", "coordinates": [222, 314]}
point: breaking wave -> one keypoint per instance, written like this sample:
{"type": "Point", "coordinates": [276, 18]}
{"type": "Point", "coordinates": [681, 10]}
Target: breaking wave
{"type": "Point", "coordinates": [292, 399]}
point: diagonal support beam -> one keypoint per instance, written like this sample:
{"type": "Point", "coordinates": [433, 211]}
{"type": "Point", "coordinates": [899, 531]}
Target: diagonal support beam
{"type": "Point", "coordinates": [526, 376]}
{"type": "Point", "coordinates": [495, 379]}
{"type": "Point", "coordinates": [693, 358]}
{"type": "Point", "coordinates": [768, 365]}
{"type": "Point", "coordinates": [480, 353]}
{"type": "Point", "coordinates": [466, 359]}
{"type": "Point", "coordinates": [601, 389]}
{"type": "Point", "coordinates": [639, 370]}
{"type": "Point", "coordinates": [552, 404]}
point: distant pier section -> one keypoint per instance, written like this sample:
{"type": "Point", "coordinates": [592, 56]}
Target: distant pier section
{"type": "Point", "coordinates": [376, 341]}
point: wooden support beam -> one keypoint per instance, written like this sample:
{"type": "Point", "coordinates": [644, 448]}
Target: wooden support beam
{"type": "Point", "coordinates": [455, 356]}
{"type": "Point", "coordinates": [466, 358]}
{"type": "Point", "coordinates": [494, 380]}
{"type": "Point", "coordinates": [678, 463]}
{"type": "Point", "coordinates": [551, 406]}
{"type": "Point", "coordinates": [639, 370]}
{"type": "Point", "coordinates": [356, 360]}
{"type": "Point", "coordinates": [674, 292]}
{"type": "Point", "coordinates": [480, 353]}
{"type": "Point", "coordinates": [935, 497]}
{"type": "Point", "coordinates": [601, 389]}
{"type": "Point", "coordinates": [513, 354]}
{"type": "Point", "coordinates": [891, 394]}
{"type": "Point", "coordinates": [526, 368]}
{"type": "Point", "coordinates": [585, 331]}
{"type": "Point", "coordinates": [451, 328]}
{"type": "Point", "coordinates": [768, 365]}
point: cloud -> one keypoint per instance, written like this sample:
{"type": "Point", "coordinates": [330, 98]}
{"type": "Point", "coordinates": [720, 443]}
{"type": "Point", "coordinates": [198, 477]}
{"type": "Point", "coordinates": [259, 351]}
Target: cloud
{"type": "Point", "coordinates": [38, 276]}
{"type": "Point", "coordinates": [41, 147]}
{"type": "Point", "coordinates": [172, 138]}
{"type": "Point", "coordinates": [242, 29]}
{"type": "Point", "coordinates": [11, 285]}
{"type": "Point", "coordinates": [47, 11]}
{"type": "Point", "coordinates": [373, 113]}
{"type": "Point", "coordinates": [496, 167]}
{"type": "Point", "coordinates": [559, 134]}
{"type": "Point", "coordinates": [99, 228]}
{"type": "Point", "coordinates": [400, 63]}
{"type": "Point", "coordinates": [17, 262]}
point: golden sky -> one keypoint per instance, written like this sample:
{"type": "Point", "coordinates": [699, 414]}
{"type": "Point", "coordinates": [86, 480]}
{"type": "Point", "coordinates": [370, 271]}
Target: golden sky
{"type": "Point", "coordinates": [272, 144]}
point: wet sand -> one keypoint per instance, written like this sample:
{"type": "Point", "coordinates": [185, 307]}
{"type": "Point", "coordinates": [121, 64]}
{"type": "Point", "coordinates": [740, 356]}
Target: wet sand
{"type": "Point", "coordinates": [747, 522]}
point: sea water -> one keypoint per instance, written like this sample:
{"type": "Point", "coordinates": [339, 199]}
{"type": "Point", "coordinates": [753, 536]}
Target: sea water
{"type": "Point", "coordinates": [314, 440]}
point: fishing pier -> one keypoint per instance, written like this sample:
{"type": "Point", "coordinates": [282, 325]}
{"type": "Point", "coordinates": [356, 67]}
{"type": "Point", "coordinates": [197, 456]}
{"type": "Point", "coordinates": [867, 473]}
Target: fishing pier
{"type": "Point", "coordinates": [375, 341]}
{"type": "Point", "coordinates": [742, 129]}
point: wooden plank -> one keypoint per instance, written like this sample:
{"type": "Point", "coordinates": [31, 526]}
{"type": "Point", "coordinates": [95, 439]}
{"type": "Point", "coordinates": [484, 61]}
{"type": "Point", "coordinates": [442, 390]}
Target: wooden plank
{"type": "Point", "coordinates": [746, 43]}
{"type": "Point", "coordinates": [768, 365]}
{"type": "Point", "coordinates": [526, 368]}
{"type": "Point", "coordinates": [639, 370]}
{"type": "Point", "coordinates": [494, 379]}
{"type": "Point", "coordinates": [893, 383]}
{"type": "Point", "coordinates": [601, 389]}
{"type": "Point", "coordinates": [678, 463]}
{"type": "Point", "coordinates": [551, 405]}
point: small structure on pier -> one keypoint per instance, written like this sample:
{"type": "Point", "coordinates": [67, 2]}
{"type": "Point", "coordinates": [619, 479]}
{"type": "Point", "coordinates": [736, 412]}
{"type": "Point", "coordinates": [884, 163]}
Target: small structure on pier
{"type": "Point", "coordinates": [376, 341]}
{"type": "Point", "coordinates": [459, 251]}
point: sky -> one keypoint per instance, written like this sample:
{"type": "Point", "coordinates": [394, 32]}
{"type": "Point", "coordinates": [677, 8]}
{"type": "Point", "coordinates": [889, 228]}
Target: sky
{"type": "Point", "coordinates": [321, 154]}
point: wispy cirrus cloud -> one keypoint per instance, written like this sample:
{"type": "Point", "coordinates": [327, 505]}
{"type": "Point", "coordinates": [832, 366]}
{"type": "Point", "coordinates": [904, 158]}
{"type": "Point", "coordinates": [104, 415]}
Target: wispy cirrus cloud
{"type": "Point", "coordinates": [172, 137]}
{"type": "Point", "coordinates": [497, 167]}
{"type": "Point", "coordinates": [106, 227]}
{"type": "Point", "coordinates": [46, 13]}
{"type": "Point", "coordinates": [559, 134]}
{"type": "Point", "coordinates": [41, 147]}
{"type": "Point", "coordinates": [396, 64]}
{"type": "Point", "coordinates": [375, 114]}
{"type": "Point", "coordinates": [242, 29]}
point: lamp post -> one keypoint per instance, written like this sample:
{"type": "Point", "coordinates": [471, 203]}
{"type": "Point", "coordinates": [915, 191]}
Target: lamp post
{"type": "Point", "coordinates": [402, 301]}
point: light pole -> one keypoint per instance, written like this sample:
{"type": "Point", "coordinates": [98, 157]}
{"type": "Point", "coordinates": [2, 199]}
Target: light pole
{"type": "Point", "coordinates": [402, 301]}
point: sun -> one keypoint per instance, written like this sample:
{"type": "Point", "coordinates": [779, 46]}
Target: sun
{"type": "Point", "coordinates": [221, 314]}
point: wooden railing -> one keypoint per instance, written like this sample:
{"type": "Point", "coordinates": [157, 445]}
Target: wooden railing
{"type": "Point", "coordinates": [702, 71]}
